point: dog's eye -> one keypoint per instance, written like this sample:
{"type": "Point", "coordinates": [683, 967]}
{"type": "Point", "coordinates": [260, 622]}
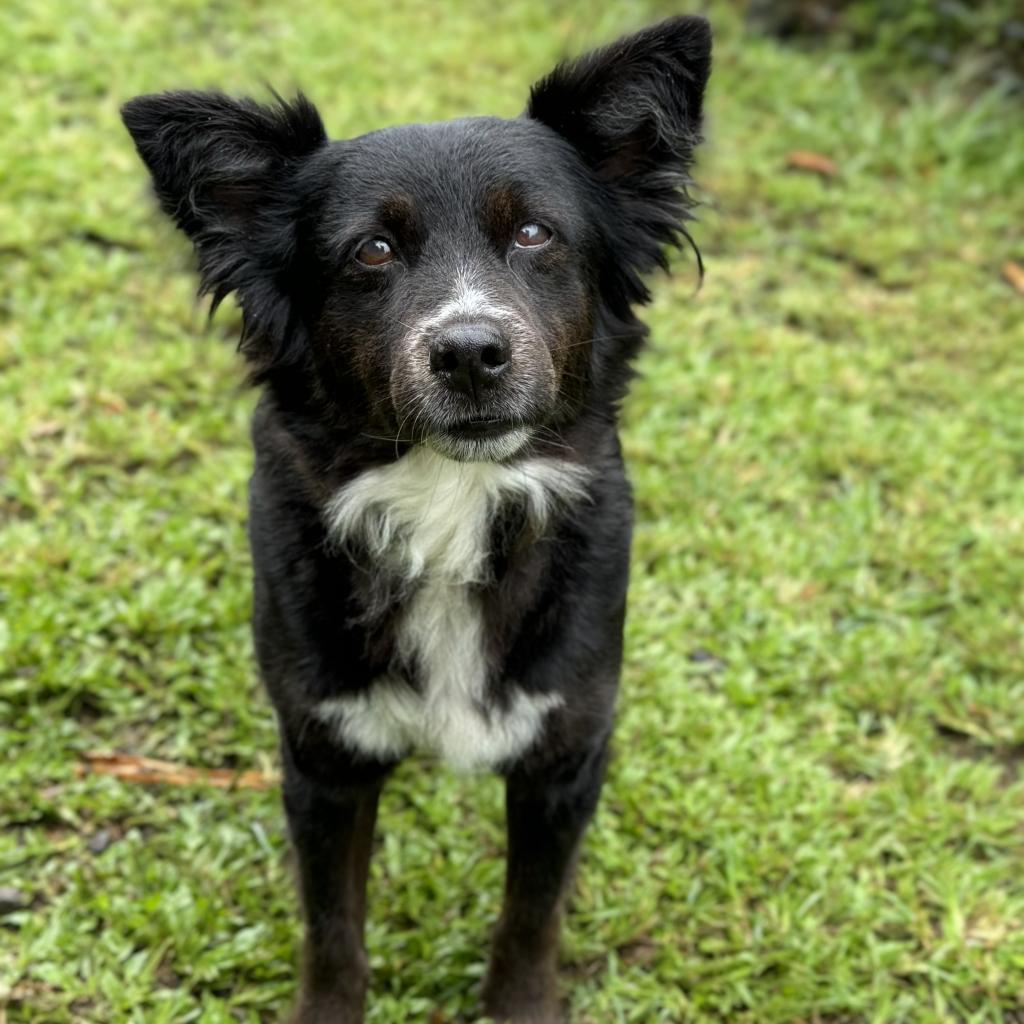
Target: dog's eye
{"type": "Point", "coordinates": [375, 253]}
{"type": "Point", "coordinates": [530, 236]}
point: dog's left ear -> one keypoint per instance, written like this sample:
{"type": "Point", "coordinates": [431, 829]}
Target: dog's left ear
{"type": "Point", "coordinates": [633, 111]}
{"type": "Point", "coordinates": [634, 104]}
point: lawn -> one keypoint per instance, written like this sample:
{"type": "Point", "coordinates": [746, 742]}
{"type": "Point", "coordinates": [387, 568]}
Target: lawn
{"type": "Point", "coordinates": [821, 814]}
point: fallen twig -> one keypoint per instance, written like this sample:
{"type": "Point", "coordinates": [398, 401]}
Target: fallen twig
{"type": "Point", "coordinates": [150, 771]}
{"type": "Point", "coordinates": [1014, 275]}
{"type": "Point", "coordinates": [815, 163]}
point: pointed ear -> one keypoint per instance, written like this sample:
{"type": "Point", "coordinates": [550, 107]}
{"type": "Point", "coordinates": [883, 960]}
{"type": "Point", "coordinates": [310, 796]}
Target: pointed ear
{"type": "Point", "coordinates": [224, 170]}
{"type": "Point", "coordinates": [633, 112]}
{"type": "Point", "coordinates": [634, 103]}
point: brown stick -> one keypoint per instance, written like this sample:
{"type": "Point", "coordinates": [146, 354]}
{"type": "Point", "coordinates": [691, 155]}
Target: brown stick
{"type": "Point", "coordinates": [150, 771]}
{"type": "Point", "coordinates": [1014, 275]}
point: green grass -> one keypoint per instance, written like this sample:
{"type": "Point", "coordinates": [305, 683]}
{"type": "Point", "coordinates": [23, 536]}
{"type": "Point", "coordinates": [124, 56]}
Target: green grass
{"type": "Point", "coordinates": [820, 815]}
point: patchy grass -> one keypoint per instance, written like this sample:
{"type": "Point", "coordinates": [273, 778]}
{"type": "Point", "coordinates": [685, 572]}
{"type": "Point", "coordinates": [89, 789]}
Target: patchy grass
{"type": "Point", "coordinates": [820, 814]}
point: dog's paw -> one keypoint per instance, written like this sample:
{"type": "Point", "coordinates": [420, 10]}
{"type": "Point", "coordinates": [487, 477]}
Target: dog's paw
{"type": "Point", "coordinates": [326, 1011]}
{"type": "Point", "coordinates": [508, 1004]}
{"type": "Point", "coordinates": [546, 1014]}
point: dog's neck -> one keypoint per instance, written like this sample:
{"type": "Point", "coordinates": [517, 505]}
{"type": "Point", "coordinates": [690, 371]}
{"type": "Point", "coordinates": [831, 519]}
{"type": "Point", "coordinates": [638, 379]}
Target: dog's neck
{"type": "Point", "coordinates": [425, 516]}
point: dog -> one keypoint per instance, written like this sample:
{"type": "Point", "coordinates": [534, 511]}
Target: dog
{"type": "Point", "coordinates": [441, 319]}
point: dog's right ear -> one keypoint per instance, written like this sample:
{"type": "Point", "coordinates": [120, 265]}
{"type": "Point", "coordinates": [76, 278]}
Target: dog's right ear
{"type": "Point", "coordinates": [224, 170]}
{"type": "Point", "coordinates": [216, 160]}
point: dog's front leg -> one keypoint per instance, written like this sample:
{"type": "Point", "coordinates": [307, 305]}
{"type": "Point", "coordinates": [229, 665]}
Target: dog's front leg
{"type": "Point", "coordinates": [332, 832]}
{"type": "Point", "coordinates": [548, 810]}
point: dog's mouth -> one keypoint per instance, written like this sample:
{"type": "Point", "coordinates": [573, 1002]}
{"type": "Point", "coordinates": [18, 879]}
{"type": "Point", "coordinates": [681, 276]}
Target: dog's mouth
{"type": "Point", "coordinates": [480, 440]}
{"type": "Point", "coordinates": [480, 429]}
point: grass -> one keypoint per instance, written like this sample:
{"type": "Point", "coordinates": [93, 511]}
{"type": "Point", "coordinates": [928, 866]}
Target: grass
{"type": "Point", "coordinates": [820, 815]}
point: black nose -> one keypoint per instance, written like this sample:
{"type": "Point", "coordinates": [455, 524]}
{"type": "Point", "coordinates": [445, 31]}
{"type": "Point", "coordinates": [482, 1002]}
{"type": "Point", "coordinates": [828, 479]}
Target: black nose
{"type": "Point", "coordinates": [469, 357]}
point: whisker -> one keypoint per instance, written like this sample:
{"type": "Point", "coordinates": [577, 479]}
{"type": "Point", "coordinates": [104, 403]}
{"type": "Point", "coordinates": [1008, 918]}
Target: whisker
{"type": "Point", "coordinates": [605, 337]}
{"type": "Point", "coordinates": [401, 426]}
{"type": "Point", "coordinates": [378, 437]}
{"type": "Point", "coordinates": [398, 320]}
{"type": "Point", "coordinates": [575, 376]}
{"type": "Point", "coordinates": [551, 443]}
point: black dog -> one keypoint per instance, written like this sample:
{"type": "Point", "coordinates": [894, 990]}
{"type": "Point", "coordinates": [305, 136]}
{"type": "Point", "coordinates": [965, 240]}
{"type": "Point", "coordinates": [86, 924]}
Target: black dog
{"type": "Point", "coordinates": [441, 317]}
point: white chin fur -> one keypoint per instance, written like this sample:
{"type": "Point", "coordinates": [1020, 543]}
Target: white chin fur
{"type": "Point", "coordinates": [482, 449]}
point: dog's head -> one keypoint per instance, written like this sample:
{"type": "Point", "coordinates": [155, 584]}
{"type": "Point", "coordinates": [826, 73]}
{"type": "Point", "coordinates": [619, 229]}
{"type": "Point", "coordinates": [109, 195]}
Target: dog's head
{"type": "Point", "coordinates": [457, 284]}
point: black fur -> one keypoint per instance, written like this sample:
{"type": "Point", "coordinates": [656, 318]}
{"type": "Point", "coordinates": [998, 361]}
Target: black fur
{"type": "Point", "coordinates": [277, 215]}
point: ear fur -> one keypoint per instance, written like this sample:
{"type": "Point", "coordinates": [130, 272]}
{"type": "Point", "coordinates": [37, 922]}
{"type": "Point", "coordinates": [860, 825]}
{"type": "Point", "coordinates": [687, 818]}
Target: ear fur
{"type": "Point", "coordinates": [633, 110]}
{"type": "Point", "coordinates": [224, 170]}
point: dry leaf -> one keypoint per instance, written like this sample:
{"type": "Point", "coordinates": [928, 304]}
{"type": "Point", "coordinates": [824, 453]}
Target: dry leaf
{"type": "Point", "coordinates": [1014, 274]}
{"type": "Point", "coordinates": [46, 428]}
{"type": "Point", "coordinates": [815, 163]}
{"type": "Point", "coordinates": [111, 402]}
{"type": "Point", "coordinates": [149, 771]}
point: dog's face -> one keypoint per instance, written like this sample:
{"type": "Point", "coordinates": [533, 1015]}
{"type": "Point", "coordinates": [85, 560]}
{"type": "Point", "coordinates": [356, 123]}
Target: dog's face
{"type": "Point", "coordinates": [443, 284]}
{"type": "Point", "coordinates": [458, 282]}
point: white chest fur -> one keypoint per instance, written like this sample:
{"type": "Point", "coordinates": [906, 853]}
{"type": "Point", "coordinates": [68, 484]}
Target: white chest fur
{"type": "Point", "coordinates": [430, 520]}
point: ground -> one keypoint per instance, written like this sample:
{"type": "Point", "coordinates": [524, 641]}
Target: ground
{"type": "Point", "coordinates": [815, 813]}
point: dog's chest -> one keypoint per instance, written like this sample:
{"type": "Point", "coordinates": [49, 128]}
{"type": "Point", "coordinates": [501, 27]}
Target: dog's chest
{"type": "Point", "coordinates": [430, 521]}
